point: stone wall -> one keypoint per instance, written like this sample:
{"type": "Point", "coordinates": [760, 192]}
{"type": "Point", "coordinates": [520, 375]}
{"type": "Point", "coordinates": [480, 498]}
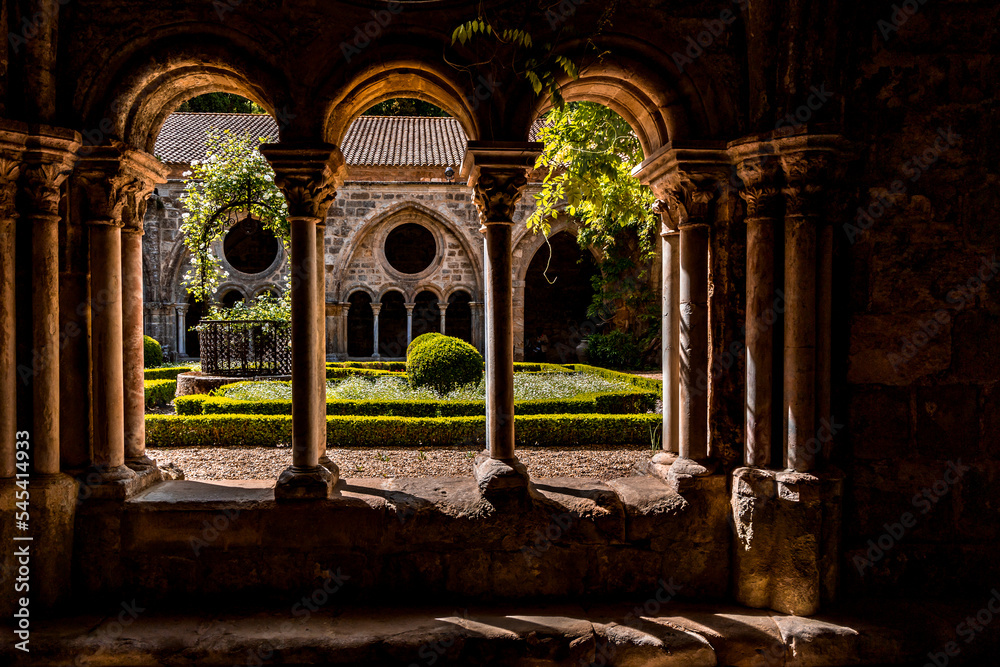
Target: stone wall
{"type": "Point", "coordinates": [921, 305]}
{"type": "Point", "coordinates": [363, 213]}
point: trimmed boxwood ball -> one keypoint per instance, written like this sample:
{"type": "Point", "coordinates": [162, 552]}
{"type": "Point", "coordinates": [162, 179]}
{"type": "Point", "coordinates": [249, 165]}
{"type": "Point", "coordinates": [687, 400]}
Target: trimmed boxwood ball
{"type": "Point", "coordinates": [443, 363]}
{"type": "Point", "coordinates": [420, 340]}
{"type": "Point", "coordinates": [152, 353]}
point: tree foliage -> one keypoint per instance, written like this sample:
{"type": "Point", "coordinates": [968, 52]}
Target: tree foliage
{"type": "Point", "coordinates": [221, 103]}
{"type": "Point", "coordinates": [405, 106]}
{"type": "Point", "coordinates": [264, 306]}
{"type": "Point", "coordinates": [589, 155]}
{"type": "Point", "coordinates": [232, 182]}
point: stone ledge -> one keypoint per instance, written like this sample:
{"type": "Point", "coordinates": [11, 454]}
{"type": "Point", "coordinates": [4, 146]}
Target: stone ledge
{"type": "Point", "coordinates": [557, 635]}
{"type": "Point", "coordinates": [578, 536]}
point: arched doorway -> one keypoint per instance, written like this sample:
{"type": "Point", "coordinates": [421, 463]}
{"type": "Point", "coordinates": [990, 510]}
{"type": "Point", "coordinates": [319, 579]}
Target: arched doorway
{"type": "Point", "coordinates": [195, 311]}
{"type": "Point", "coordinates": [426, 314]}
{"type": "Point", "coordinates": [458, 317]}
{"type": "Point", "coordinates": [392, 325]}
{"type": "Point", "coordinates": [556, 300]}
{"type": "Point", "coordinates": [360, 325]}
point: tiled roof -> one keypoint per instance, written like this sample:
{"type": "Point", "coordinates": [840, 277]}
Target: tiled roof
{"type": "Point", "coordinates": [371, 140]}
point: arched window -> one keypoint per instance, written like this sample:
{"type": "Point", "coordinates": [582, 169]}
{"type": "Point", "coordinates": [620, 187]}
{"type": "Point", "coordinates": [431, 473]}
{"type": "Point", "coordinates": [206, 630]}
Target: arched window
{"type": "Point", "coordinates": [392, 326]}
{"type": "Point", "coordinates": [426, 314]}
{"type": "Point", "coordinates": [458, 320]}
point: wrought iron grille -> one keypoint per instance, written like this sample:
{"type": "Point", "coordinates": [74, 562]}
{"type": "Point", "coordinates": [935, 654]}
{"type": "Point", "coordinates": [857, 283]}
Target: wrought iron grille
{"type": "Point", "coordinates": [246, 348]}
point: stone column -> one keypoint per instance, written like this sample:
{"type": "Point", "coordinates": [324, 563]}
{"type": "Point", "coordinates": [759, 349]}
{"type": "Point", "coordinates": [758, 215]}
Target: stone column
{"type": "Point", "coordinates": [49, 159]}
{"type": "Point", "coordinates": [342, 323]}
{"type": "Point", "coordinates": [442, 307]}
{"type": "Point", "coordinates": [181, 323]}
{"type": "Point", "coordinates": [687, 181]}
{"type": "Point", "coordinates": [321, 335]}
{"type": "Point", "coordinates": [802, 218]}
{"type": "Point", "coordinates": [376, 307]}
{"type": "Point", "coordinates": [409, 322]}
{"type": "Point", "coordinates": [758, 170]}
{"type": "Point", "coordinates": [309, 176]}
{"type": "Point", "coordinates": [476, 307]}
{"type": "Point", "coordinates": [670, 354]}
{"type": "Point", "coordinates": [518, 308]}
{"type": "Point", "coordinates": [498, 178]}
{"type": "Point", "coordinates": [10, 170]}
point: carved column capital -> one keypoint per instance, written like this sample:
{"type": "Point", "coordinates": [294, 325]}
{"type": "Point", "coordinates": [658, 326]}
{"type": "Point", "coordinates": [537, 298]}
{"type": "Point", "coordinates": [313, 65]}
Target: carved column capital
{"type": "Point", "coordinates": [812, 166]}
{"type": "Point", "coordinates": [10, 171]}
{"type": "Point", "coordinates": [49, 156]}
{"type": "Point", "coordinates": [308, 175]}
{"type": "Point", "coordinates": [761, 189]}
{"type": "Point", "coordinates": [376, 307]}
{"type": "Point", "coordinates": [687, 182]}
{"type": "Point", "coordinates": [498, 174]}
{"type": "Point", "coordinates": [113, 183]}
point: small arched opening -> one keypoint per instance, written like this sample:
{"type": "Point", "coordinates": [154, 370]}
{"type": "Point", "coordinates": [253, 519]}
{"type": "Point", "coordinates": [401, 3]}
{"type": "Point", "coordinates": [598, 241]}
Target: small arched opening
{"type": "Point", "coordinates": [458, 317]}
{"type": "Point", "coordinates": [360, 325]}
{"type": "Point", "coordinates": [392, 326]}
{"type": "Point", "coordinates": [426, 314]}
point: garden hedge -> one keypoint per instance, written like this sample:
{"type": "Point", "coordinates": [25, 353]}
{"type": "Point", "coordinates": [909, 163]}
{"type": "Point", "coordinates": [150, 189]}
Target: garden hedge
{"type": "Point", "coordinates": [341, 373]}
{"type": "Point", "coordinates": [271, 430]}
{"type": "Point", "coordinates": [159, 392]}
{"type": "Point", "coordinates": [623, 402]}
{"type": "Point", "coordinates": [443, 363]}
{"type": "Point", "coordinates": [152, 353]}
{"type": "Point", "coordinates": [637, 381]}
{"type": "Point", "coordinates": [396, 366]}
{"type": "Point", "coordinates": [169, 373]}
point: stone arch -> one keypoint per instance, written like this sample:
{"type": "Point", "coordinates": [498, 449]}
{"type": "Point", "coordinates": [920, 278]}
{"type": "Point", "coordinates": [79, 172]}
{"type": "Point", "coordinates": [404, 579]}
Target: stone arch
{"type": "Point", "coordinates": [640, 82]}
{"type": "Point", "coordinates": [392, 340]}
{"type": "Point", "coordinates": [426, 313]}
{"type": "Point", "coordinates": [360, 323]}
{"type": "Point", "coordinates": [402, 66]}
{"type": "Point", "coordinates": [390, 288]}
{"type": "Point", "coordinates": [360, 287]}
{"type": "Point", "coordinates": [153, 74]}
{"type": "Point", "coordinates": [458, 317]}
{"type": "Point", "coordinates": [369, 225]}
{"type": "Point", "coordinates": [528, 244]}
{"type": "Point", "coordinates": [426, 287]}
{"type": "Point", "coordinates": [265, 289]}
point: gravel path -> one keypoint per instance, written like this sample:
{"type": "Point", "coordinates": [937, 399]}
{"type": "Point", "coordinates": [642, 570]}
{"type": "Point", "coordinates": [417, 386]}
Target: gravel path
{"type": "Point", "coordinates": [267, 462]}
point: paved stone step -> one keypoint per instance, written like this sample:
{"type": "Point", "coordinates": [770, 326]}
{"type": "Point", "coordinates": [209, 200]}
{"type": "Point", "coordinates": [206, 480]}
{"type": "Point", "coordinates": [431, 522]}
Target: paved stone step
{"type": "Point", "coordinates": [311, 633]}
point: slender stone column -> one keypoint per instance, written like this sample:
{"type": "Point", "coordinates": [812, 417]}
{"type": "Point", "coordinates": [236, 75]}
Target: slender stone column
{"type": "Point", "coordinates": [687, 181]}
{"type": "Point", "coordinates": [321, 333]}
{"type": "Point", "coordinates": [759, 174]}
{"type": "Point", "coordinates": [49, 161]}
{"type": "Point", "coordinates": [345, 310]}
{"type": "Point", "coordinates": [10, 170]}
{"type": "Point", "coordinates": [376, 308]}
{"type": "Point", "coordinates": [442, 307]}
{"type": "Point", "coordinates": [477, 324]}
{"type": "Point", "coordinates": [803, 175]}
{"type": "Point", "coordinates": [498, 179]}
{"type": "Point", "coordinates": [670, 354]}
{"type": "Point", "coordinates": [309, 176]}
{"type": "Point", "coordinates": [181, 323]}
{"type": "Point", "coordinates": [409, 322]}
{"type": "Point", "coordinates": [824, 329]}
{"type": "Point", "coordinates": [693, 418]}
{"type": "Point", "coordinates": [132, 330]}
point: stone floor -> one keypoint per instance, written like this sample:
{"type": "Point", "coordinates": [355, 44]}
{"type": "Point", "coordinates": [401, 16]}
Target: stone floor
{"type": "Point", "coordinates": [632, 633]}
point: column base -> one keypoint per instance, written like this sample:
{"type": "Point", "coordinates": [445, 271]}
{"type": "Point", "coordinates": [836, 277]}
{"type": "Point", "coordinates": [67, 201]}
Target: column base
{"type": "Point", "coordinates": [683, 473]}
{"type": "Point", "coordinates": [51, 517]}
{"type": "Point", "coordinates": [326, 462]}
{"type": "Point", "coordinates": [140, 463]}
{"type": "Point", "coordinates": [118, 483]}
{"type": "Point", "coordinates": [786, 527]}
{"type": "Point", "coordinates": [500, 480]}
{"type": "Point", "coordinates": [294, 483]}
{"type": "Point", "coordinates": [656, 466]}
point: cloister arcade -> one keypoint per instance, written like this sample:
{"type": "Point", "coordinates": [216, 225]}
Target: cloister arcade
{"type": "Point", "coordinates": [744, 499]}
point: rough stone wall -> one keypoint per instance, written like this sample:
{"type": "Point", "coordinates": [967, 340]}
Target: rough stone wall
{"type": "Point", "coordinates": [921, 305]}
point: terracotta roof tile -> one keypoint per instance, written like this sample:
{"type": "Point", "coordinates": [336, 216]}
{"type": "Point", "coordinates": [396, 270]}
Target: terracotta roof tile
{"type": "Point", "coordinates": [404, 141]}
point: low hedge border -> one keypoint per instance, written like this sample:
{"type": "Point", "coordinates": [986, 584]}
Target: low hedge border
{"type": "Point", "coordinates": [637, 381]}
{"type": "Point", "coordinates": [340, 373]}
{"type": "Point", "coordinates": [272, 430]}
{"type": "Point", "coordinates": [159, 392]}
{"type": "Point", "coordinates": [394, 366]}
{"type": "Point", "coordinates": [623, 402]}
{"type": "Point", "coordinates": [169, 373]}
